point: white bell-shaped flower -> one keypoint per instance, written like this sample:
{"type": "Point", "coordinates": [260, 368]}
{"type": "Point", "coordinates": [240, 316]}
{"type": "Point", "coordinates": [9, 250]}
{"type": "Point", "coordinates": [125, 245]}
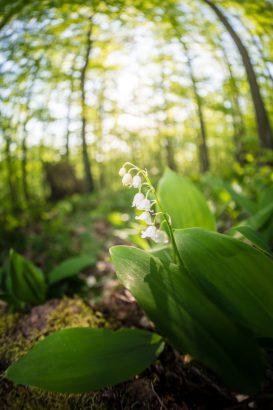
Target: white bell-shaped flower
{"type": "Point", "coordinates": [146, 217]}
{"type": "Point", "coordinates": [136, 181]}
{"type": "Point", "coordinates": [149, 232]}
{"type": "Point", "coordinates": [138, 198]}
{"type": "Point", "coordinates": [144, 205]}
{"type": "Point", "coordinates": [122, 172]}
{"type": "Point", "coordinates": [161, 237]}
{"type": "Point", "coordinates": [127, 179]}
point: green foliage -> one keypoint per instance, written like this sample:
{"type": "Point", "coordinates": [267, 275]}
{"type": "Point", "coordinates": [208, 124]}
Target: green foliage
{"type": "Point", "coordinates": [81, 359]}
{"type": "Point", "coordinates": [212, 298]}
{"type": "Point", "coordinates": [183, 202]}
{"type": "Point", "coordinates": [247, 204]}
{"type": "Point", "coordinates": [209, 294]}
{"type": "Point", "coordinates": [261, 216]}
{"type": "Point", "coordinates": [190, 321]}
{"type": "Point", "coordinates": [235, 276]}
{"type": "Point", "coordinates": [216, 303]}
{"type": "Point", "coordinates": [23, 283]}
{"type": "Point", "coordinates": [70, 267]}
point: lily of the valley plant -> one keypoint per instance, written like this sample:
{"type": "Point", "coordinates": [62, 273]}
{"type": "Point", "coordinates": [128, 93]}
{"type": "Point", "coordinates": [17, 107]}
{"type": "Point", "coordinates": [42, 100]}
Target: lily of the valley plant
{"type": "Point", "coordinates": [147, 201]}
{"type": "Point", "coordinates": [209, 295]}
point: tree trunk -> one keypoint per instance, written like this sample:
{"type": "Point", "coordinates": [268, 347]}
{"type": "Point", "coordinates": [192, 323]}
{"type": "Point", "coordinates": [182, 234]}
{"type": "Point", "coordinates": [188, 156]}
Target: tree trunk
{"type": "Point", "coordinates": [86, 161]}
{"type": "Point", "coordinates": [24, 146]}
{"type": "Point", "coordinates": [168, 142]}
{"type": "Point", "coordinates": [24, 149]}
{"type": "Point", "coordinates": [170, 154]}
{"type": "Point", "coordinates": [100, 130]}
{"type": "Point", "coordinates": [10, 175]}
{"type": "Point", "coordinates": [238, 121]}
{"type": "Point", "coordinates": [68, 120]}
{"type": "Point", "coordinates": [202, 144]}
{"type": "Point", "coordinates": [264, 129]}
{"type": "Point", "coordinates": [24, 163]}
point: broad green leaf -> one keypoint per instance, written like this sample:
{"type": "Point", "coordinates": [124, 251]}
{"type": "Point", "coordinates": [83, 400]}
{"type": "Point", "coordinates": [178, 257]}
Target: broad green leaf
{"type": "Point", "coordinates": [79, 360]}
{"type": "Point", "coordinates": [191, 322]}
{"type": "Point", "coordinates": [25, 282]}
{"type": "Point", "coordinates": [164, 253]}
{"type": "Point", "coordinates": [184, 203]}
{"type": "Point", "coordinates": [249, 233]}
{"type": "Point", "coordinates": [236, 276]}
{"type": "Point", "coordinates": [69, 267]}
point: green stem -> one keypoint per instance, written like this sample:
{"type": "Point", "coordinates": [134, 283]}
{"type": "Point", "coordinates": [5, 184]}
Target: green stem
{"type": "Point", "coordinates": [144, 173]}
{"type": "Point", "coordinates": [166, 218]}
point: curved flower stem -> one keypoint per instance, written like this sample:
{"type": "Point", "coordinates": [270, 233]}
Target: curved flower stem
{"type": "Point", "coordinates": [166, 217]}
{"type": "Point", "coordinates": [167, 220]}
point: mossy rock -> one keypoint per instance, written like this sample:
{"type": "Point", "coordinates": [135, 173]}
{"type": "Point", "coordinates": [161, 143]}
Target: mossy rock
{"type": "Point", "coordinates": [20, 331]}
{"type": "Point", "coordinates": [168, 383]}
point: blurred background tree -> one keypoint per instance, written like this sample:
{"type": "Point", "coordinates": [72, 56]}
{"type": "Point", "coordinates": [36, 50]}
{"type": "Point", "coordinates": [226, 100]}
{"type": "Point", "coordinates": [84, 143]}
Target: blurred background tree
{"type": "Point", "coordinates": [88, 85]}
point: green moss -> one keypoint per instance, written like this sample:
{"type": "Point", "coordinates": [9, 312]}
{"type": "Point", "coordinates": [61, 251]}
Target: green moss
{"type": "Point", "coordinates": [19, 332]}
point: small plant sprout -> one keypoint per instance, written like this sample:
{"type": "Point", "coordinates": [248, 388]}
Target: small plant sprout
{"type": "Point", "coordinates": [146, 200]}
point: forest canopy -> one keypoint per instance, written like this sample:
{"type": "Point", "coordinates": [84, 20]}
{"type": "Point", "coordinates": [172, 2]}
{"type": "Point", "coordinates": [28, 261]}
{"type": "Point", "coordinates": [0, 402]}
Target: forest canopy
{"type": "Point", "coordinates": [169, 82]}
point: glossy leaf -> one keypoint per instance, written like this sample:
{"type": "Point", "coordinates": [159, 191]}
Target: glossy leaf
{"type": "Point", "coordinates": [191, 322]}
{"type": "Point", "coordinates": [79, 360]}
{"type": "Point", "coordinates": [184, 203]}
{"type": "Point", "coordinates": [70, 267]}
{"type": "Point", "coordinates": [235, 276]}
{"type": "Point", "coordinates": [163, 252]}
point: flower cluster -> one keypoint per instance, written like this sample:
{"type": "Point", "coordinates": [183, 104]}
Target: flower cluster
{"type": "Point", "coordinates": [142, 202]}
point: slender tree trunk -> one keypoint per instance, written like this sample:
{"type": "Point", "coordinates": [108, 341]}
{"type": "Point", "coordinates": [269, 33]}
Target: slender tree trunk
{"type": "Point", "coordinates": [86, 161]}
{"type": "Point", "coordinates": [170, 154]}
{"type": "Point", "coordinates": [24, 163]}
{"type": "Point", "coordinates": [24, 149]}
{"type": "Point", "coordinates": [168, 141]}
{"type": "Point", "coordinates": [10, 175]}
{"type": "Point", "coordinates": [69, 106]}
{"type": "Point", "coordinates": [100, 130]}
{"type": "Point", "coordinates": [238, 120]}
{"type": "Point", "coordinates": [24, 145]}
{"type": "Point", "coordinates": [264, 129]}
{"type": "Point", "coordinates": [68, 120]}
{"type": "Point", "coordinates": [202, 144]}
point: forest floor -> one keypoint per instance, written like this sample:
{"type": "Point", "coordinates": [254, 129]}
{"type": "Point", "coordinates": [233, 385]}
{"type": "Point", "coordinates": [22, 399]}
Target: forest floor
{"type": "Point", "coordinates": [172, 382]}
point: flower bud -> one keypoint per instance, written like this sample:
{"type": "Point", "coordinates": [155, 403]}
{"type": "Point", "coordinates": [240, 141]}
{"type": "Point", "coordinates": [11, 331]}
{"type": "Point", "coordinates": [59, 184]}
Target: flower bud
{"type": "Point", "coordinates": [122, 172]}
{"type": "Point", "coordinates": [137, 181]}
{"type": "Point", "coordinates": [127, 179]}
{"type": "Point", "coordinates": [161, 237]}
{"type": "Point", "coordinates": [144, 205]}
{"type": "Point", "coordinates": [149, 232]}
{"type": "Point", "coordinates": [146, 217]}
{"type": "Point", "coordinates": [138, 198]}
